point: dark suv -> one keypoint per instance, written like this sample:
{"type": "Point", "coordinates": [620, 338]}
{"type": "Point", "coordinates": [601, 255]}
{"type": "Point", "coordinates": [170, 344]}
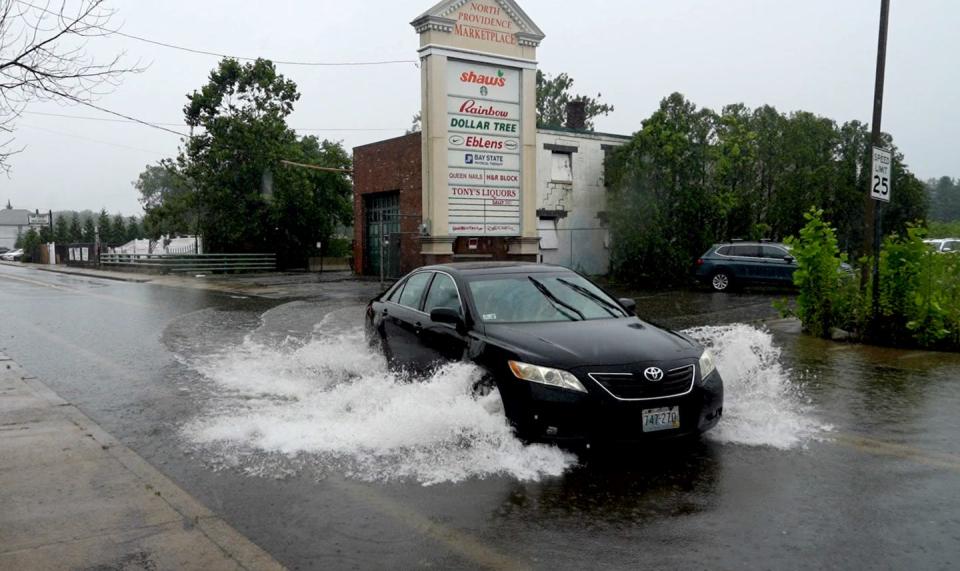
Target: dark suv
{"type": "Point", "coordinates": [739, 263]}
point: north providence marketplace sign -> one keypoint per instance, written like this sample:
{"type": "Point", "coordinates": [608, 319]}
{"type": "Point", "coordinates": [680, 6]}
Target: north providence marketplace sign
{"type": "Point", "coordinates": [479, 124]}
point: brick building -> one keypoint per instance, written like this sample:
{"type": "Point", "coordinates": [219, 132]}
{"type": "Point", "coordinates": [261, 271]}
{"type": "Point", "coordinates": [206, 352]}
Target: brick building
{"type": "Point", "coordinates": [387, 182]}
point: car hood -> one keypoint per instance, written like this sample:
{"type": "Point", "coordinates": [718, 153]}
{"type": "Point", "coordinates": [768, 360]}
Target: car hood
{"type": "Point", "coordinates": [597, 342]}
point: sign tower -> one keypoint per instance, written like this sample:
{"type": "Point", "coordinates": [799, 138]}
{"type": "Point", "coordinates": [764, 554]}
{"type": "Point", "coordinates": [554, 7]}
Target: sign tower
{"type": "Point", "coordinates": [478, 82]}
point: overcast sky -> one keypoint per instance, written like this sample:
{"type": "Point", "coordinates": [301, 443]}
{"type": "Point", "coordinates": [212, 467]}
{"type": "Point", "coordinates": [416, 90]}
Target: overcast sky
{"type": "Point", "coordinates": [813, 55]}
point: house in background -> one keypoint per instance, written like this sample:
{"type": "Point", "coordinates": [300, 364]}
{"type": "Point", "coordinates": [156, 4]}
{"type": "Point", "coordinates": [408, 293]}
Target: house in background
{"type": "Point", "coordinates": [15, 221]}
{"type": "Point", "coordinates": [572, 198]}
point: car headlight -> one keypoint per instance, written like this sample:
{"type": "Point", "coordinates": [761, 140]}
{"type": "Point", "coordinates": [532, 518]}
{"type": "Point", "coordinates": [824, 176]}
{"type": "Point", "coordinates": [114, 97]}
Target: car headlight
{"type": "Point", "coordinates": [707, 364]}
{"type": "Point", "coordinates": [546, 376]}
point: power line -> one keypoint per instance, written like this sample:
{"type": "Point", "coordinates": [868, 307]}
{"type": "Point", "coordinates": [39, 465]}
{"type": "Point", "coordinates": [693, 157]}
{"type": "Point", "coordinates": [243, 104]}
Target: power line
{"type": "Point", "coordinates": [121, 115]}
{"type": "Point", "coordinates": [108, 120]}
{"type": "Point", "coordinates": [71, 135]}
{"type": "Point", "coordinates": [276, 61]}
{"type": "Point", "coordinates": [242, 58]}
{"type": "Point", "coordinates": [101, 119]}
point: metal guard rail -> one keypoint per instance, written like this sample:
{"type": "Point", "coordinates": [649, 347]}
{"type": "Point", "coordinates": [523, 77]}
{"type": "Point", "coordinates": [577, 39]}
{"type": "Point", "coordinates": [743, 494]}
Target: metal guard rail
{"type": "Point", "coordinates": [167, 263]}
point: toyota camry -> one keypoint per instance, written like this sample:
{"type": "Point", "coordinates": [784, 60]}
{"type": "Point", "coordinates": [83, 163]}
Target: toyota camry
{"type": "Point", "coordinates": [572, 364]}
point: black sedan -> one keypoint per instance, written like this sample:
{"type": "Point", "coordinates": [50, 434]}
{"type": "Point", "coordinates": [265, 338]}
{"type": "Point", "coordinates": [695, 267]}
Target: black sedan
{"type": "Point", "coordinates": [572, 364]}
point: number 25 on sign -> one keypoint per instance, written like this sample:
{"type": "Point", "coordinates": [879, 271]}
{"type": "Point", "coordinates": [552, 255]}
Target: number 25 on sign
{"type": "Point", "coordinates": [881, 186]}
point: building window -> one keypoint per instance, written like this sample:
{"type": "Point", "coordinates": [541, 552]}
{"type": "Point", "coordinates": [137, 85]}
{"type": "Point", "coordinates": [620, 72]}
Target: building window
{"type": "Point", "coordinates": [547, 228]}
{"type": "Point", "coordinates": [561, 168]}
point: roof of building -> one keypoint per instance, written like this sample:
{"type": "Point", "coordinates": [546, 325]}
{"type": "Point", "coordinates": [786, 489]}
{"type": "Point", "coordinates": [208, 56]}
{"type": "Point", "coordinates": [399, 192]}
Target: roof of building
{"type": "Point", "coordinates": [14, 217]}
{"type": "Point", "coordinates": [582, 132]}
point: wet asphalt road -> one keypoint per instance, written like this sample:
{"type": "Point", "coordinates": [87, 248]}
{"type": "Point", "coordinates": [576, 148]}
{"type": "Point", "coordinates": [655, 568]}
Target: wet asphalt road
{"type": "Point", "coordinates": [881, 490]}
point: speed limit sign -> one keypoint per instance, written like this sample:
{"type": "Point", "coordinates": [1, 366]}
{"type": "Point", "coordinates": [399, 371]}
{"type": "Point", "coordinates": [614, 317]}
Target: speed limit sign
{"type": "Point", "coordinates": [881, 185]}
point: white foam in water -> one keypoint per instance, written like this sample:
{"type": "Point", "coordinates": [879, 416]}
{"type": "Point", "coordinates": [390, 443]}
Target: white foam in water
{"type": "Point", "coordinates": [331, 404]}
{"type": "Point", "coordinates": [334, 400]}
{"type": "Point", "coordinates": [762, 406]}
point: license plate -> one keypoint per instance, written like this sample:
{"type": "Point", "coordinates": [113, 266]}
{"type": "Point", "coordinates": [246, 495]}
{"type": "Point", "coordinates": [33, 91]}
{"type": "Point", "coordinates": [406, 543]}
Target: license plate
{"type": "Point", "coordinates": [655, 419]}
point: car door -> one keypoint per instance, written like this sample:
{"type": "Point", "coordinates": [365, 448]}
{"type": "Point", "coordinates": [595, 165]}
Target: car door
{"type": "Point", "coordinates": [442, 342]}
{"type": "Point", "coordinates": [403, 321]}
{"type": "Point", "coordinates": [779, 263]}
{"type": "Point", "coordinates": [749, 265]}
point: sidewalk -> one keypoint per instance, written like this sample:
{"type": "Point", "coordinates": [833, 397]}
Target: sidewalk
{"type": "Point", "coordinates": [74, 497]}
{"type": "Point", "coordinates": [89, 272]}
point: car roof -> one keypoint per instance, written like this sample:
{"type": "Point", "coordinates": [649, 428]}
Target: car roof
{"type": "Point", "coordinates": [486, 268]}
{"type": "Point", "coordinates": [750, 243]}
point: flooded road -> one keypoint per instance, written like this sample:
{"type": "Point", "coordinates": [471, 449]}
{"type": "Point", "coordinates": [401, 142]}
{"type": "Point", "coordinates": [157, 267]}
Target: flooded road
{"type": "Point", "coordinates": [275, 415]}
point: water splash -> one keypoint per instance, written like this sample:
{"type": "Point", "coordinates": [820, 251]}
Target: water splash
{"type": "Point", "coordinates": [763, 404]}
{"type": "Point", "coordinates": [280, 405]}
{"type": "Point", "coordinates": [332, 404]}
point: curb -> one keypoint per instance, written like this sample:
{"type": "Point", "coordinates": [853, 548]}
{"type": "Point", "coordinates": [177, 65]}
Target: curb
{"type": "Point", "coordinates": [232, 544]}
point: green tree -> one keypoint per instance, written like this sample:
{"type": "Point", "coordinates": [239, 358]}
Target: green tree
{"type": "Point", "coordinates": [134, 229]}
{"type": "Point", "coordinates": [105, 227]}
{"type": "Point", "coordinates": [61, 230]}
{"type": "Point", "coordinates": [169, 204]}
{"type": "Point", "coordinates": [691, 177]}
{"type": "Point", "coordinates": [553, 95]}
{"type": "Point", "coordinates": [89, 233]}
{"type": "Point", "coordinates": [660, 183]}
{"type": "Point", "coordinates": [30, 242]}
{"type": "Point", "coordinates": [76, 230]}
{"type": "Point", "coordinates": [910, 201]}
{"type": "Point", "coordinates": [944, 199]}
{"type": "Point", "coordinates": [245, 199]}
{"type": "Point", "coordinates": [45, 234]}
{"type": "Point", "coordinates": [119, 229]}
{"type": "Point", "coordinates": [241, 113]}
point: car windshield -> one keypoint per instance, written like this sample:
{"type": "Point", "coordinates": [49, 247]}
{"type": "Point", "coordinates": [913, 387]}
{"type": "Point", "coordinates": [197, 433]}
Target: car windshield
{"type": "Point", "coordinates": [541, 298]}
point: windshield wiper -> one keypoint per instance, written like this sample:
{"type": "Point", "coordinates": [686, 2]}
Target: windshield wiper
{"type": "Point", "coordinates": [557, 303]}
{"type": "Point", "coordinates": [606, 305]}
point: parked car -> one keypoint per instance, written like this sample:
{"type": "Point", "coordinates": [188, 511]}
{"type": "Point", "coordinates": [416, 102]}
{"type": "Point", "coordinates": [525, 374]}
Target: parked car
{"type": "Point", "coordinates": [945, 245]}
{"type": "Point", "coordinates": [4, 250]}
{"type": "Point", "coordinates": [12, 255]}
{"type": "Point", "coordinates": [572, 364]}
{"type": "Point", "coordinates": [731, 264]}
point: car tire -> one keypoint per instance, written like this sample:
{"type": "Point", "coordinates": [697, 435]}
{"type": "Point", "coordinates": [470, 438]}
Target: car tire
{"type": "Point", "coordinates": [721, 281]}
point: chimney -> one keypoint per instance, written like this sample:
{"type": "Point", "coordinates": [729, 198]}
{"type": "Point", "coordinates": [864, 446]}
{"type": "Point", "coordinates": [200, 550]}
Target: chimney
{"type": "Point", "coordinates": [577, 115]}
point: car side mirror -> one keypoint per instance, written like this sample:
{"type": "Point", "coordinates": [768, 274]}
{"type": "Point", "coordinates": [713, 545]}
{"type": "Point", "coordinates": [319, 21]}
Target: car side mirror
{"type": "Point", "coordinates": [628, 304]}
{"type": "Point", "coordinates": [789, 259]}
{"type": "Point", "coordinates": [447, 315]}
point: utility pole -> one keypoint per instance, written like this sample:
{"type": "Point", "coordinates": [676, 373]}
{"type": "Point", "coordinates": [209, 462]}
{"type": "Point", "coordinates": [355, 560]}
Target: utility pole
{"type": "Point", "coordinates": [873, 231]}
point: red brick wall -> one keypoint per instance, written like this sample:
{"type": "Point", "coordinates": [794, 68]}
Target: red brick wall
{"type": "Point", "coordinates": [390, 166]}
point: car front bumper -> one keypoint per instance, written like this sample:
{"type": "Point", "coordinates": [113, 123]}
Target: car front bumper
{"type": "Point", "coordinates": [547, 414]}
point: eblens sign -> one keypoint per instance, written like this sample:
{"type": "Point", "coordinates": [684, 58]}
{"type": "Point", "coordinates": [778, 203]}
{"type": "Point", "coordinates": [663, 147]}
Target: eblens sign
{"type": "Point", "coordinates": [881, 184]}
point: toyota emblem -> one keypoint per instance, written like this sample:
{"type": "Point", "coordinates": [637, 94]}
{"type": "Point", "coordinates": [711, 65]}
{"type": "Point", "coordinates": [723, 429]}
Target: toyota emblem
{"type": "Point", "coordinates": [653, 374]}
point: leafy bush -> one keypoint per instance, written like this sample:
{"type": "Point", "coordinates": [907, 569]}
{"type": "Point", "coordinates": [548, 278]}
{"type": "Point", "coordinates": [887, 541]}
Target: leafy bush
{"type": "Point", "coordinates": [919, 293]}
{"type": "Point", "coordinates": [918, 297]}
{"type": "Point", "coordinates": [828, 295]}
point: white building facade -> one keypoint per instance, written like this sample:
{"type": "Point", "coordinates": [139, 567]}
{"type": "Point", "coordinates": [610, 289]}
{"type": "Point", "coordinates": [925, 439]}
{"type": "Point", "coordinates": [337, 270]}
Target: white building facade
{"type": "Point", "coordinates": [14, 222]}
{"type": "Point", "coordinates": [572, 198]}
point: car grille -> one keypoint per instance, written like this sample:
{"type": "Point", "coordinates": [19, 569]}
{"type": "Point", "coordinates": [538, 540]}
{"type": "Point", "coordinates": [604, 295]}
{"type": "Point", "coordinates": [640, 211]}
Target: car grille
{"type": "Point", "coordinates": [628, 386]}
